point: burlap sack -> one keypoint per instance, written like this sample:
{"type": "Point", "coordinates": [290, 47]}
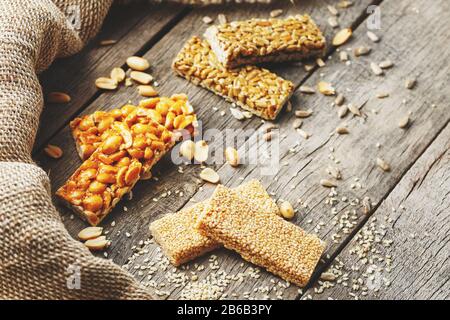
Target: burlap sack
{"type": "Point", "coordinates": [38, 258]}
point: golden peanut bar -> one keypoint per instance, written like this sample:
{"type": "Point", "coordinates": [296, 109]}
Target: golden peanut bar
{"type": "Point", "coordinates": [177, 233]}
{"type": "Point", "coordinates": [252, 88]}
{"type": "Point", "coordinates": [265, 40]}
{"type": "Point", "coordinates": [129, 151]}
{"type": "Point", "coordinates": [264, 239]}
{"type": "Point", "coordinates": [175, 113]}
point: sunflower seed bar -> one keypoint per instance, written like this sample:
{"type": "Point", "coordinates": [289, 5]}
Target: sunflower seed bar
{"type": "Point", "coordinates": [128, 152]}
{"type": "Point", "coordinates": [270, 40]}
{"type": "Point", "coordinates": [177, 233]}
{"type": "Point", "coordinates": [175, 113]}
{"type": "Point", "coordinates": [252, 88]}
{"type": "Point", "coordinates": [261, 238]}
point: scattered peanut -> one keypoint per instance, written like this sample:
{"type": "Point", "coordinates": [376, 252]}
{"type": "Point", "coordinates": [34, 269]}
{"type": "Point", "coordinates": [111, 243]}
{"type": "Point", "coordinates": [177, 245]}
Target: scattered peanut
{"type": "Point", "coordinates": [141, 77]}
{"type": "Point", "coordinates": [383, 165]}
{"type": "Point", "coordinates": [106, 83]}
{"type": "Point", "coordinates": [232, 156]}
{"type": "Point", "coordinates": [342, 36]}
{"type": "Point", "coordinates": [90, 233]}
{"type": "Point", "coordinates": [201, 151]}
{"type": "Point", "coordinates": [58, 97]}
{"type": "Point", "coordinates": [99, 243]}
{"type": "Point", "coordinates": [187, 149]}
{"type": "Point", "coordinates": [326, 88]}
{"type": "Point", "coordinates": [117, 74]}
{"type": "Point", "coordinates": [53, 151]}
{"type": "Point", "coordinates": [138, 63]}
{"type": "Point", "coordinates": [286, 210]}
{"type": "Point", "coordinates": [210, 175]}
{"type": "Point", "coordinates": [147, 91]}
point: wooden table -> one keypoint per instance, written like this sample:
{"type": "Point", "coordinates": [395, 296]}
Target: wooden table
{"type": "Point", "coordinates": [399, 249]}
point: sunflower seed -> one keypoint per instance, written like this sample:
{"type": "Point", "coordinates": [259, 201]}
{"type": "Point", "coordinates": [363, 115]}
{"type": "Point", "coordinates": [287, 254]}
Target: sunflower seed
{"type": "Point", "coordinates": [342, 130]}
{"type": "Point", "coordinates": [382, 95]}
{"type": "Point", "coordinates": [328, 183]}
{"type": "Point", "coordinates": [306, 89]}
{"type": "Point", "coordinates": [353, 109]}
{"type": "Point", "coordinates": [303, 113]}
{"type": "Point", "coordinates": [297, 123]}
{"type": "Point", "coordinates": [327, 276]}
{"type": "Point", "coordinates": [58, 97]}
{"type": "Point", "coordinates": [376, 69]}
{"type": "Point", "coordinates": [361, 51]}
{"type": "Point", "coordinates": [53, 151]}
{"type": "Point", "coordinates": [386, 64]}
{"type": "Point", "coordinates": [403, 123]}
{"type": "Point", "coordinates": [339, 99]}
{"type": "Point", "coordinates": [342, 36]}
{"type": "Point", "coordinates": [107, 42]}
{"type": "Point", "coordinates": [342, 112]}
{"type": "Point", "coordinates": [410, 83]}
{"type": "Point", "coordinates": [372, 36]}
{"type": "Point", "coordinates": [383, 165]}
{"type": "Point", "coordinates": [304, 134]}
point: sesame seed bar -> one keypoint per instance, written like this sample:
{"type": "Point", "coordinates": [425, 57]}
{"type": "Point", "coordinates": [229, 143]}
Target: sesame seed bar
{"type": "Point", "coordinates": [128, 152]}
{"type": "Point", "coordinates": [89, 131]}
{"type": "Point", "coordinates": [265, 40]}
{"type": "Point", "coordinates": [177, 233]}
{"type": "Point", "coordinates": [254, 89]}
{"type": "Point", "coordinates": [264, 239]}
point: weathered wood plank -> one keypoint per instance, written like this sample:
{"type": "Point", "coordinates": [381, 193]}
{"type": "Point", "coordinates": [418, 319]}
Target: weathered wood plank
{"type": "Point", "coordinates": [416, 219]}
{"type": "Point", "coordinates": [135, 28]}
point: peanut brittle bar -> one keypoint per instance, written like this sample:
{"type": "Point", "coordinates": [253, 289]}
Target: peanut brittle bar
{"type": "Point", "coordinates": [177, 233]}
{"type": "Point", "coordinates": [174, 113]}
{"type": "Point", "coordinates": [264, 239]}
{"type": "Point", "coordinates": [265, 40]}
{"type": "Point", "coordinates": [252, 88]}
{"type": "Point", "coordinates": [128, 151]}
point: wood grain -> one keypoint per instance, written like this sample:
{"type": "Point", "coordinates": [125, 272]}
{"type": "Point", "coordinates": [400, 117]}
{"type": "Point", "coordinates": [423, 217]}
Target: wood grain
{"type": "Point", "coordinates": [301, 170]}
{"type": "Point", "coordinates": [417, 220]}
{"type": "Point", "coordinates": [134, 29]}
